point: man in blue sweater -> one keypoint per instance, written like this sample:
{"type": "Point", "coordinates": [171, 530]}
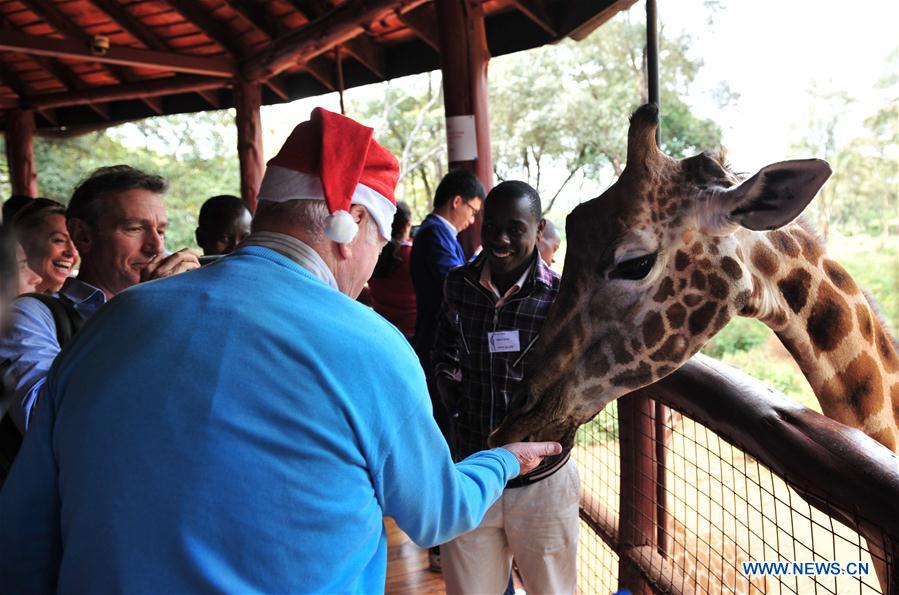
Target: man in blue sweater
{"type": "Point", "coordinates": [246, 426]}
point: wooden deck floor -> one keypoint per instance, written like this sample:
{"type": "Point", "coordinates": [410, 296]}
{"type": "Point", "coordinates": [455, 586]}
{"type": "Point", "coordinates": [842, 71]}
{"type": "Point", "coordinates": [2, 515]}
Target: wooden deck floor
{"type": "Point", "coordinates": [407, 566]}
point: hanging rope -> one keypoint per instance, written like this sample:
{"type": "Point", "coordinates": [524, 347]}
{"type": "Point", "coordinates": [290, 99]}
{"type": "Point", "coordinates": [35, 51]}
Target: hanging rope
{"type": "Point", "coordinates": [339, 62]}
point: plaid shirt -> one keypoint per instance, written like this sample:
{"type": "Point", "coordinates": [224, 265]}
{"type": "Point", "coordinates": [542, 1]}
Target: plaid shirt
{"type": "Point", "coordinates": [490, 382]}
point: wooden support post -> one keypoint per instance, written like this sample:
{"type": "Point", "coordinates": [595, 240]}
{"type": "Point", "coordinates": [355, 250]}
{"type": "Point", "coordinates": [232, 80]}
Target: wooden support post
{"type": "Point", "coordinates": [637, 524]}
{"type": "Point", "coordinates": [20, 151]}
{"type": "Point", "coordinates": [247, 101]}
{"type": "Point", "coordinates": [463, 61]}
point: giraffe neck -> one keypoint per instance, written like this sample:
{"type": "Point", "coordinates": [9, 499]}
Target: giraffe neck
{"type": "Point", "coordinates": [829, 326]}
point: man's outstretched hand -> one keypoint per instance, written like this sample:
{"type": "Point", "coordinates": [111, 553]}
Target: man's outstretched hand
{"type": "Point", "coordinates": [530, 454]}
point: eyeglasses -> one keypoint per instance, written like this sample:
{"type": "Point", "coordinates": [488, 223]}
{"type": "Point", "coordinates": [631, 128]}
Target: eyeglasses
{"type": "Point", "coordinates": [474, 211]}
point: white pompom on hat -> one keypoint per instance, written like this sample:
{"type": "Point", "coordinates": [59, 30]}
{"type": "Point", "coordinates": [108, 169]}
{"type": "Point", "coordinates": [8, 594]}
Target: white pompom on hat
{"type": "Point", "coordinates": [334, 158]}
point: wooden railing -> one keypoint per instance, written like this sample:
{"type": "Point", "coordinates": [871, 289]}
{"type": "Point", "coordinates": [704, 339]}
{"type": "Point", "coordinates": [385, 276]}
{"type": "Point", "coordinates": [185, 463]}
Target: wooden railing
{"type": "Point", "coordinates": [836, 470]}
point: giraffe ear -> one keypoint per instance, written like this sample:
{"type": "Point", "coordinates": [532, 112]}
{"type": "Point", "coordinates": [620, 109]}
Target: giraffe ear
{"type": "Point", "coordinates": [777, 194]}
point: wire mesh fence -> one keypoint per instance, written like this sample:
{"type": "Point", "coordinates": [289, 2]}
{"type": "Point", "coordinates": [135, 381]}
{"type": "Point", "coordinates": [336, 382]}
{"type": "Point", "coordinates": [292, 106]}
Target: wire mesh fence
{"type": "Point", "coordinates": [720, 511]}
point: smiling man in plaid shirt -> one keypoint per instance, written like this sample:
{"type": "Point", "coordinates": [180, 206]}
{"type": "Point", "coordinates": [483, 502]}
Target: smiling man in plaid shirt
{"type": "Point", "coordinates": [493, 310]}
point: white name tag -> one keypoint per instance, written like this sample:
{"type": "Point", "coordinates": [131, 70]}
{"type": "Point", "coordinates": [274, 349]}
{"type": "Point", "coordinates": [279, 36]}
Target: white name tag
{"type": "Point", "coordinates": [503, 341]}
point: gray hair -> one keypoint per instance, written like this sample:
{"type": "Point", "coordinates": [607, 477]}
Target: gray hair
{"type": "Point", "coordinates": [310, 215]}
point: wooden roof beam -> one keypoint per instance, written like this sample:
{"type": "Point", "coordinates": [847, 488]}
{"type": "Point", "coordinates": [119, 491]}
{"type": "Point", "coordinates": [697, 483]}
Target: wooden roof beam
{"type": "Point", "coordinates": [69, 80]}
{"type": "Point", "coordinates": [539, 12]}
{"type": "Point", "coordinates": [334, 28]}
{"type": "Point", "coordinates": [124, 19]}
{"type": "Point", "coordinates": [210, 97]}
{"type": "Point", "coordinates": [583, 17]}
{"type": "Point", "coordinates": [60, 21]}
{"type": "Point", "coordinates": [277, 87]}
{"type": "Point", "coordinates": [213, 29]}
{"type": "Point", "coordinates": [15, 41]}
{"type": "Point", "coordinates": [423, 22]}
{"type": "Point", "coordinates": [256, 15]}
{"type": "Point", "coordinates": [122, 92]}
{"type": "Point", "coordinates": [323, 71]}
{"type": "Point", "coordinates": [12, 80]}
{"type": "Point", "coordinates": [367, 53]}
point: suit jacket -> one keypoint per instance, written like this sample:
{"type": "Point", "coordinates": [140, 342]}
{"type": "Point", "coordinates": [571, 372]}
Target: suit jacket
{"type": "Point", "coordinates": [435, 251]}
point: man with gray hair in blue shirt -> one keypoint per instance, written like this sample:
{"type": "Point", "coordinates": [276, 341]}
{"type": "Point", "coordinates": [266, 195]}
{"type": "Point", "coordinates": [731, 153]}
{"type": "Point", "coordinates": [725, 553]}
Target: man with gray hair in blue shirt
{"type": "Point", "coordinates": [245, 427]}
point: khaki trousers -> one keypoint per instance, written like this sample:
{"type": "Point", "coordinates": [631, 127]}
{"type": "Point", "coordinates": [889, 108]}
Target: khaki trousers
{"type": "Point", "coordinates": [535, 524]}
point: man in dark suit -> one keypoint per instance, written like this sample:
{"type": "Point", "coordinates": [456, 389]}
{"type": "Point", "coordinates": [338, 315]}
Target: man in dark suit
{"type": "Point", "coordinates": [436, 251]}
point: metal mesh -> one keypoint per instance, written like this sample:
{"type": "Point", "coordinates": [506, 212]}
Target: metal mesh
{"type": "Point", "coordinates": [598, 459]}
{"type": "Point", "coordinates": [723, 507]}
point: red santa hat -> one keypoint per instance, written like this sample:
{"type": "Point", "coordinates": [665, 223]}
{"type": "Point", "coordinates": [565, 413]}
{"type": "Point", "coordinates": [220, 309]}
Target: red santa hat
{"type": "Point", "coordinates": [333, 158]}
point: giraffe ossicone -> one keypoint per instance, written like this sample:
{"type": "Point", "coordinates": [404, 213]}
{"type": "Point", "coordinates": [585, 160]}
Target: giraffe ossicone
{"type": "Point", "coordinates": [664, 258]}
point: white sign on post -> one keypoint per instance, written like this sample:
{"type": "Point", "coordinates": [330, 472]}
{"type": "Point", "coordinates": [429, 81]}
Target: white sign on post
{"type": "Point", "coordinates": [461, 138]}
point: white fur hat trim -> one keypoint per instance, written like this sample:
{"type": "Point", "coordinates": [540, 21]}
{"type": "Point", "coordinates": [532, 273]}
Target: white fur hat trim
{"type": "Point", "coordinates": [340, 227]}
{"type": "Point", "coordinates": [280, 184]}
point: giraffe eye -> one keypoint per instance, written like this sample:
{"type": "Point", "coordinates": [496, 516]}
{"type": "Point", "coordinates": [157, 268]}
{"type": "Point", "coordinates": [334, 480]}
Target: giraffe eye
{"type": "Point", "coordinates": [634, 268]}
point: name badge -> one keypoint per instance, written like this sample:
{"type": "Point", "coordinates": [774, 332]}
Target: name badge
{"type": "Point", "coordinates": [503, 341]}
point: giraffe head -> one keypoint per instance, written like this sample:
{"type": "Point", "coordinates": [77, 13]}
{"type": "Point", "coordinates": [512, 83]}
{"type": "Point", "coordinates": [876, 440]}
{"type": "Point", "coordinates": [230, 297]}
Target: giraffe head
{"type": "Point", "coordinates": [653, 270]}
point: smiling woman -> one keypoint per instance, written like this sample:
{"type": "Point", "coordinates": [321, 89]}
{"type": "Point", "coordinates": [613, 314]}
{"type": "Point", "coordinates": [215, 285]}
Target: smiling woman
{"type": "Point", "coordinates": [41, 228]}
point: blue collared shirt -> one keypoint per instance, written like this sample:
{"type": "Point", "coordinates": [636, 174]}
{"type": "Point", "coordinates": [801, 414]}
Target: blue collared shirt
{"type": "Point", "coordinates": [30, 345]}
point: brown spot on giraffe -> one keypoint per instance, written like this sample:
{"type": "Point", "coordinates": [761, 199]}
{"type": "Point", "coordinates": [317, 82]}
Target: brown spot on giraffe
{"type": "Point", "coordinates": [764, 260]}
{"type": "Point", "coordinates": [731, 268]}
{"type": "Point", "coordinates": [863, 314]}
{"type": "Point", "coordinates": [697, 280]}
{"type": "Point", "coordinates": [639, 376]}
{"type": "Point", "coordinates": [619, 350]}
{"type": "Point", "coordinates": [596, 360]}
{"type": "Point", "coordinates": [783, 243]}
{"type": "Point", "coordinates": [696, 249]}
{"type": "Point", "coordinates": [863, 386]}
{"type": "Point", "coordinates": [653, 329]}
{"type": "Point", "coordinates": [830, 320]}
{"type": "Point", "coordinates": [811, 248]}
{"type": "Point", "coordinates": [840, 277]}
{"type": "Point", "coordinates": [665, 291]}
{"type": "Point", "coordinates": [741, 301]}
{"type": "Point", "coordinates": [887, 350]}
{"type": "Point", "coordinates": [749, 306]}
{"type": "Point", "coordinates": [713, 248]}
{"type": "Point", "coordinates": [681, 284]}
{"type": "Point", "coordinates": [701, 317]}
{"type": "Point", "coordinates": [676, 315]}
{"type": "Point", "coordinates": [664, 370]}
{"type": "Point", "coordinates": [672, 350]}
{"type": "Point", "coordinates": [717, 287]}
{"type": "Point", "coordinates": [705, 264]}
{"type": "Point", "coordinates": [681, 260]}
{"type": "Point", "coordinates": [894, 396]}
{"type": "Point", "coordinates": [795, 288]}
{"type": "Point", "coordinates": [692, 300]}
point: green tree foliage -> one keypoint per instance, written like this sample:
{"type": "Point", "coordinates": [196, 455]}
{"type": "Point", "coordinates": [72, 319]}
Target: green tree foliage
{"type": "Point", "coordinates": [408, 115]}
{"type": "Point", "coordinates": [566, 106]}
{"type": "Point", "coordinates": [558, 113]}
{"type": "Point", "coordinates": [862, 195]}
{"type": "Point", "coordinates": [196, 152]}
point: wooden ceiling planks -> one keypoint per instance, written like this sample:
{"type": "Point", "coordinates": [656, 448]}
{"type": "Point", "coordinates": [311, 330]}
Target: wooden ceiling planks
{"type": "Point", "coordinates": [175, 56]}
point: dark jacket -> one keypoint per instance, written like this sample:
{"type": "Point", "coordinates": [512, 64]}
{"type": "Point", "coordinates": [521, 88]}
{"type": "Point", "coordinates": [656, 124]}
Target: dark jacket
{"type": "Point", "coordinates": [435, 251]}
{"type": "Point", "coordinates": [492, 384]}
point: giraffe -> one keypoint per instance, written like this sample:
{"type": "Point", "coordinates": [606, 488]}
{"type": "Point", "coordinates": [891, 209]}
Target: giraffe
{"type": "Point", "coordinates": [665, 257]}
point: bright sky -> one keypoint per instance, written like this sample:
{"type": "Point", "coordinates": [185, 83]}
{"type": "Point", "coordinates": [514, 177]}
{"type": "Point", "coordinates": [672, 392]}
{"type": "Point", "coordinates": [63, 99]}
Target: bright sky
{"type": "Point", "coordinates": [771, 52]}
